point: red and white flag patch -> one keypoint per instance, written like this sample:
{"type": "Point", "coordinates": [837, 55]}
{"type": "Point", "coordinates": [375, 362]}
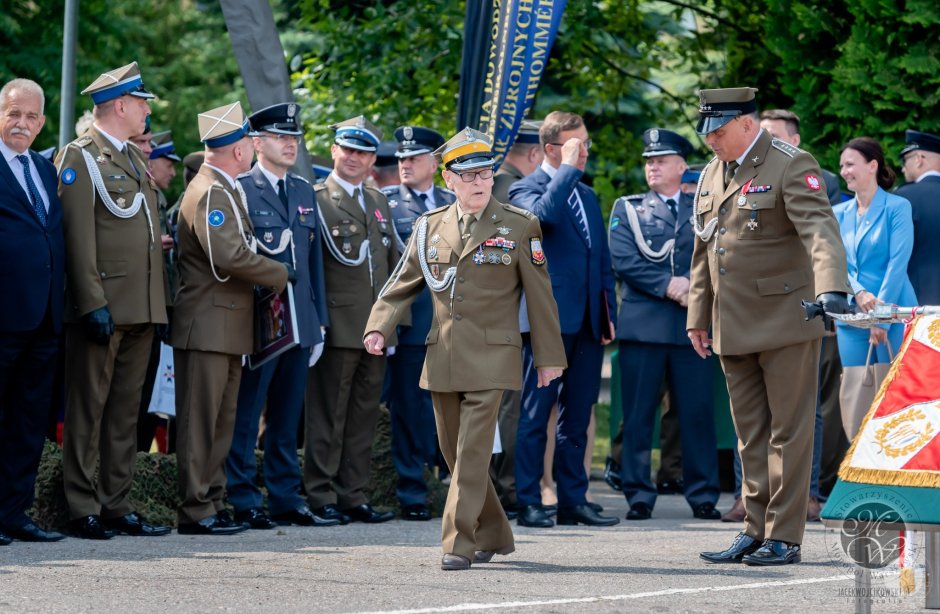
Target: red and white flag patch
{"type": "Point", "coordinates": [813, 182]}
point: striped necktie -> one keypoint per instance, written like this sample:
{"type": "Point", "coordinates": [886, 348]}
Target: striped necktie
{"type": "Point", "coordinates": [34, 198]}
{"type": "Point", "coordinates": [574, 201]}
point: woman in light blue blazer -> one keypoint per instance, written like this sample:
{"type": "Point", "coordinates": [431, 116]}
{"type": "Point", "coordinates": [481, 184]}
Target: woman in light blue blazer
{"type": "Point", "coordinates": [878, 232]}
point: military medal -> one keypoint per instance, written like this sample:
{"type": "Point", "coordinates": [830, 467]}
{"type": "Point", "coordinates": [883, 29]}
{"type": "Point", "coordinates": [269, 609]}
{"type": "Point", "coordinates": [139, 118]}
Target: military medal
{"type": "Point", "coordinates": [492, 258]}
{"type": "Point", "coordinates": [436, 239]}
{"type": "Point", "coordinates": [346, 247]}
{"type": "Point", "coordinates": [753, 223]}
{"type": "Point", "coordinates": [121, 202]}
{"type": "Point", "coordinates": [503, 230]}
{"type": "Point", "coordinates": [100, 159]}
{"type": "Point", "coordinates": [334, 231]}
{"type": "Point", "coordinates": [352, 228]}
{"type": "Point", "coordinates": [742, 199]}
{"type": "Point", "coordinates": [432, 252]}
{"type": "Point", "coordinates": [505, 258]}
{"type": "Point", "coordinates": [478, 256]}
{"type": "Point", "coordinates": [386, 241]}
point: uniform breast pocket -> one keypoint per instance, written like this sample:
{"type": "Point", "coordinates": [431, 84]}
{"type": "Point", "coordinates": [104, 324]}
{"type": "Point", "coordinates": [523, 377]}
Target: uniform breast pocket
{"type": "Point", "coordinates": [654, 228]}
{"type": "Point", "coordinates": [122, 189]}
{"type": "Point", "coordinates": [704, 204]}
{"type": "Point", "coordinates": [111, 269]}
{"type": "Point", "coordinates": [758, 216]}
{"type": "Point", "coordinates": [347, 235]}
{"type": "Point", "coordinates": [269, 231]}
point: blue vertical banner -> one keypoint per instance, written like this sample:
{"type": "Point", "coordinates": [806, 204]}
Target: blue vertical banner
{"type": "Point", "coordinates": [521, 36]}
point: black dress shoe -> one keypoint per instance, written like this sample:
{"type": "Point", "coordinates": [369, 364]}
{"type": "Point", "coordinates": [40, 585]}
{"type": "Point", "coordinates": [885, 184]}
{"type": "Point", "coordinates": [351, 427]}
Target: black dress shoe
{"type": "Point", "coordinates": [255, 519]}
{"type": "Point", "coordinates": [5, 540]}
{"type": "Point", "coordinates": [670, 487]}
{"type": "Point", "coordinates": [511, 512]}
{"type": "Point", "coordinates": [211, 526]}
{"type": "Point", "coordinates": [330, 512]}
{"type": "Point", "coordinates": [584, 514]}
{"type": "Point", "coordinates": [706, 511]}
{"type": "Point", "coordinates": [89, 527]}
{"type": "Point", "coordinates": [132, 524]}
{"type": "Point", "coordinates": [534, 516]}
{"type": "Point", "coordinates": [418, 511]}
{"type": "Point", "coordinates": [224, 519]}
{"type": "Point", "coordinates": [612, 474]}
{"type": "Point", "coordinates": [551, 510]}
{"type": "Point", "coordinates": [29, 532]}
{"type": "Point", "coordinates": [640, 511]}
{"type": "Point", "coordinates": [597, 507]}
{"type": "Point", "coordinates": [774, 552]}
{"type": "Point", "coordinates": [742, 545]}
{"type": "Point", "coordinates": [302, 516]}
{"type": "Point", "coordinates": [366, 513]}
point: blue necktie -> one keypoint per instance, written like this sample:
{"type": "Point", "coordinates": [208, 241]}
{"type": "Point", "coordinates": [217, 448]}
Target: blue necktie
{"type": "Point", "coordinates": [672, 207]}
{"type": "Point", "coordinates": [34, 196]}
{"type": "Point", "coordinates": [574, 201]}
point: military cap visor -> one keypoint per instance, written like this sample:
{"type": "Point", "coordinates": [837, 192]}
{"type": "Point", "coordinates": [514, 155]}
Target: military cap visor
{"type": "Point", "coordinates": [923, 141]}
{"type": "Point", "coordinates": [415, 140]}
{"type": "Point", "coordinates": [277, 119]}
{"type": "Point", "coordinates": [356, 138]}
{"type": "Point", "coordinates": [467, 150]}
{"type": "Point", "coordinates": [665, 143]}
{"type": "Point", "coordinates": [529, 131]}
{"type": "Point", "coordinates": [718, 107]}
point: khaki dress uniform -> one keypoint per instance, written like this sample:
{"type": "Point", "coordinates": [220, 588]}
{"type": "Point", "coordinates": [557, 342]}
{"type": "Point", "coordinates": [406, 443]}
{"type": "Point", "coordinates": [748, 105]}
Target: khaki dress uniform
{"type": "Point", "coordinates": [213, 326]}
{"type": "Point", "coordinates": [344, 387]}
{"type": "Point", "coordinates": [113, 259]}
{"type": "Point", "coordinates": [768, 240]}
{"type": "Point", "coordinates": [474, 347]}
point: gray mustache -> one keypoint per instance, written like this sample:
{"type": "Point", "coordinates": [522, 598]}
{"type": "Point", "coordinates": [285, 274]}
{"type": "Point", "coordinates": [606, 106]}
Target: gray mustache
{"type": "Point", "coordinates": [23, 131]}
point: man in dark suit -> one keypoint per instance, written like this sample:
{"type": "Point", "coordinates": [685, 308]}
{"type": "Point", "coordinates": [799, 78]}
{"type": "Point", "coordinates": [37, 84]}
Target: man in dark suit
{"type": "Point", "coordinates": [920, 163]}
{"type": "Point", "coordinates": [284, 213]}
{"type": "Point", "coordinates": [651, 242]}
{"type": "Point", "coordinates": [414, 438]}
{"type": "Point", "coordinates": [344, 387]}
{"type": "Point", "coordinates": [583, 285]}
{"type": "Point", "coordinates": [32, 250]}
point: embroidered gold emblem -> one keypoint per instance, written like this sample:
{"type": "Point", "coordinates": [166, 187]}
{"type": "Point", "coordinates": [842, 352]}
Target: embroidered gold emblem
{"type": "Point", "coordinates": [901, 435]}
{"type": "Point", "coordinates": [933, 333]}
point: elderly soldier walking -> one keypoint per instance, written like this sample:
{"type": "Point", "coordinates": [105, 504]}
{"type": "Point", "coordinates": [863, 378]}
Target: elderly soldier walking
{"type": "Point", "coordinates": [414, 443]}
{"type": "Point", "coordinates": [115, 294]}
{"type": "Point", "coordinates": [284, 213]}
{"type": "Point", "coordinates": [651, 243]}
{"type": "Point", "coordinates": [767, 240]}
{"type": "Point", "coordinates": [213, 317]}
{"type": "Point", "coordinates": [477, 256]}
{"type": "Point", "coordinates": [343, 389]}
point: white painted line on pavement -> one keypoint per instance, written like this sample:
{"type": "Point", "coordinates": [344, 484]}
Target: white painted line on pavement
{"type": "Point", "coordinates": [469, 607]}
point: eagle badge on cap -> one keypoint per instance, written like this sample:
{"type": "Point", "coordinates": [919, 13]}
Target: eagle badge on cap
{"type": "Point", "coordinates": [291, 110]}
{"type": "Point", "coordinates": [654, 135]}
{"type": "Point", "coordinates": [409, 133]}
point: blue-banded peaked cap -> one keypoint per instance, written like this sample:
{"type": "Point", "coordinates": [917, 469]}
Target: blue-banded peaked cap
{"type": "Point", "coordinates": [357, 133]}
{"type": "Point", "coordinates": [116, 83]}
{"type": "Point", "coordinates": [223, 125]}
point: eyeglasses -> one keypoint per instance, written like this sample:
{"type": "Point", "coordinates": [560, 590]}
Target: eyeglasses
{"type": "Point", "coordinates": [587, 144]}
{"type": "Point", "coordinates": [470, 177]}
{"type": "Point", "coordinates": [908, 158]}
{"type": "Point", "coordinates": [282, 138]}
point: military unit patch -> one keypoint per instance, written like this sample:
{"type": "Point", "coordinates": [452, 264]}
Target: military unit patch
{"type": "Point", "coordinates": [813, 182]}
{"type": "Point", "coordinates": [538, 256]}
{"type": "Point", "coordinates": [68, 176]}
{"type": "Point", "coordinates": [216, 218]}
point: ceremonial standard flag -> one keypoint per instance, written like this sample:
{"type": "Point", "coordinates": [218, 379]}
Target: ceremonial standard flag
{"type": "Point", "coordinates": [898, 443]}
{"type": "Point", "coordinates": [519, 39]}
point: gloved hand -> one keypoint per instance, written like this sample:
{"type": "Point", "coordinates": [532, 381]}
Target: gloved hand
{"type": "Point", "coordinates": [162, 331]}
{"type": "Point", "coordinates": [291, 273]}
{"type": "Point", "coordinates": [832, 302]}
{"type": "Point", "coordinates": [99, 326]}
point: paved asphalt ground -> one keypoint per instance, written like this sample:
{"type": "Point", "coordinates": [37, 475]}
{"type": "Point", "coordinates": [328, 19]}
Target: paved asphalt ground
{"type": "Point", "coordinates": [647, 566]}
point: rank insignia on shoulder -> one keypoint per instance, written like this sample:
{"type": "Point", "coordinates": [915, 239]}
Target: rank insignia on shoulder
{"type": "Point", "coordinates": [813, 182]}
{"type": "Point", "coordinates": [216, 218]}
{"type": "Point", "coordinates": [85, 140]}
{"type": "Point", "coordinates": [68, 176]}
{"type": "Point", "coordinates": [538, 256]}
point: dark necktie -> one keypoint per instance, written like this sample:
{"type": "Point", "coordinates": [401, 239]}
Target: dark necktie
{"type": "Point", "coordinates": [730, 168]}
{"type": "Point", "coordinates": [672, 207]}
{"type": "Point", "coordinates": [282, 192]}
{"type": "Point", "coordinates": [357, 196]}
{"type": "Point", "coordinates": [424, 200]}
{"type": "Point", "coordinates": [38, 206]}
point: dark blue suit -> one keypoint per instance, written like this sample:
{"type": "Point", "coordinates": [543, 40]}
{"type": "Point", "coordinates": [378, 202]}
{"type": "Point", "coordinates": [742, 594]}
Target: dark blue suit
{"type": "Point", "coordinates": [651, 330]}
{"type": "Point", "coordinates": [925, 259]}
{"type": "Point", "coordinates": [581, 275]}
{"type": "Point", "coordinates": [414, 436]}
{"type": "Point", "coordinates": [279, 383]}
{"type": "Point", "coordinates": [33, 282]}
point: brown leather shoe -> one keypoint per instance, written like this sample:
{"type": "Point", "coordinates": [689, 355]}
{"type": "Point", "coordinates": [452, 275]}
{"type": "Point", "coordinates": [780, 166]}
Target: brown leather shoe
{"type": "Point", "coordinates": [454, 562]}
{"type": "Point", "coordinates": [813, 509]}
{"type": "Point", "coordinates": [736, 513]}
{"type": "Point", "coordinates": [485, 556]}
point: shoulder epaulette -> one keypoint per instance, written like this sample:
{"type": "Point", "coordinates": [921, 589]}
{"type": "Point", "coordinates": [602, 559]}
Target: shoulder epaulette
{"type": "Point", "coordinates": [243, 175]}
{"type": "Point", "coordinates": [389, 190]}
{"type": "Point", "coordinates": [785, 147]}
{"type": "Point", "coordinates": [299, 178]}
{"type": "Point", "coordinates": [437, 210]}
{"type": "Point", "coordinates": [518, 210]}
{"type": "Point", "coordinates": [319, 186]}
{"type": "Point", "coordinates": [83, 141]}
{"type": "Point", "coordinates": [635, 197]}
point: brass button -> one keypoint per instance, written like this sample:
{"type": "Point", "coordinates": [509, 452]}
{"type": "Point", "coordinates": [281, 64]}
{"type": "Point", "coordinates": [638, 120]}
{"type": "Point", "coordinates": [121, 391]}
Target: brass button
{"type": "Point", "coordinates": [786, 287]}
{"type": "Point", "coordinates": [721, 271]}
{"type": "Point", "coordinates": [103, 274]}
{"type": "Point", "coordinates": [722, 231]}
{"type": "Point", "coordinates": [459, 299]}
{"type": "Point", "coordinates": [721, 251]}
{"type": "Point", "coordinates": [458, 317]}
{"type": "Point", "coordinates": [721, 211]}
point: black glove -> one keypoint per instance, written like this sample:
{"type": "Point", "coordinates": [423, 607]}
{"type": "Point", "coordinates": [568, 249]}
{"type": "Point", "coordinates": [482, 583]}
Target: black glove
{"type": "Point", "coordinates": [291, 273]}
{"type": "Point", "coordinates": [99, 326]}
{"type": "Point", "coordinates": [832, 302]}
{"type": "Point", "coordinates": [162, 332]}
